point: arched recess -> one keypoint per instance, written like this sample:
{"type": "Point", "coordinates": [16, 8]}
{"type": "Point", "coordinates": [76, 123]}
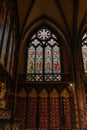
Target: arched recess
{"type": "Point", "coordinates": [44, 108]}
{"type": "Point", "coordinates": [82, 44]}
{"type": "Point", "coordinates": [47, 93]}
{"type": "Point", "coordinates": [58, 31]}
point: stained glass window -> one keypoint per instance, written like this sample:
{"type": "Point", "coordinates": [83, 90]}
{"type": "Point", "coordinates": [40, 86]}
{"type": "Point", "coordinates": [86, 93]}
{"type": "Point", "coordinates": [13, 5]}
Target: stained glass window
{"type": "Point", "coordinates": [10, 51]}
{"type": "Point", "coordinates": [5, 39]}
{"type": "Point", "coordinates": [2, 20]}
{"type": "Point", "coordinates": [43, 62]}
{"type": "Point", "coordinates": [84, 52]}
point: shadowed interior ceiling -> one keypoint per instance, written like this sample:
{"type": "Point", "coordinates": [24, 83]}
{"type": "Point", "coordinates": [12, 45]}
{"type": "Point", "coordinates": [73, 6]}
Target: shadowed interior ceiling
{"type": "Point", "coordinates": [65, 13]}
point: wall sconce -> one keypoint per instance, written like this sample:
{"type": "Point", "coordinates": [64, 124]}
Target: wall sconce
{"type": "Point", "coordinates": [71, 84]}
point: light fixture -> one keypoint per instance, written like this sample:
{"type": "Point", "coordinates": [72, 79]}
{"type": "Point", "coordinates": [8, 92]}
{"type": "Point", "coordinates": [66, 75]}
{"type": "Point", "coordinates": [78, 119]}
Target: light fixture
{"type": "Point", "coordinates": [71, 84]}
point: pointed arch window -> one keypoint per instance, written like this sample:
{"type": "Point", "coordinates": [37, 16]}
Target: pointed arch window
{"type": "Point", "coordinates": [43, 61]}
{"type": "Point", "coordinates": [5, 39]}
{"type": "Point", "coordinates": [84, 51]}
{"type": "Point", "coordinates": [2, 20]}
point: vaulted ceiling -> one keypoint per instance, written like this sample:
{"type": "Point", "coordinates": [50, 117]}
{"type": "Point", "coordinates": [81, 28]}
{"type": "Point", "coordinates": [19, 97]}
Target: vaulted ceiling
{"type": "Point", "coordinates": [67, 14]}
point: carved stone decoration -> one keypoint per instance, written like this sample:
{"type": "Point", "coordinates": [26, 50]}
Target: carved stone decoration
{"type": "Point", "coordinates": [2, 95]}
{"type": "Point", "coordinates": [5, 114]}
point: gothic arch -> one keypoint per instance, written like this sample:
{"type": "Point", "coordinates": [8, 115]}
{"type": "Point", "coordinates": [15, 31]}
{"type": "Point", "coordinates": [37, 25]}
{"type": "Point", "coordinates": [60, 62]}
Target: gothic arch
{"type": "Point", "coordinates": [82, 47]}
{"type": "Point", "coordinates": [50, 24]}
{"type": "Point", "coordinates": [82, 32]}
{"type": "Point", "coordinates": [44, 20]}
{"type": "Point", "coordinates": [82, 29]}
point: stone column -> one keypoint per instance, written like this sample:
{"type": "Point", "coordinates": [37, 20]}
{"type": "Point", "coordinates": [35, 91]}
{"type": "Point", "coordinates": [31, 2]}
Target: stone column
{"type": "Point", "coordinates": [79, 87]}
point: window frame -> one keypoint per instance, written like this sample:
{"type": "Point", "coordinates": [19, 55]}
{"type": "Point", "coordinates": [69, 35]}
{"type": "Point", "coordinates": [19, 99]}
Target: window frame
{"type": "Point", "coordinates": [59, 40]}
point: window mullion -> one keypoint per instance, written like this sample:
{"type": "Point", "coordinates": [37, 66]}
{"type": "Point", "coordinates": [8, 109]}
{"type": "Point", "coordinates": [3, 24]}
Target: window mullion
{"type": "Point", "coordinates": [52, 61]}
{"type": "Point", "coordinates": [35, 65]}
{"type": "Point", "coordinates": [43, 62]}
{"type": "Point", "coordinates": [45, 53]}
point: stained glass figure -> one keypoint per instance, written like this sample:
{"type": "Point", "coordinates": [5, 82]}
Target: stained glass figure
{"type": "Point", "coordinates": [48, 60]}
{"type": "Point", "coordinates": [39, 59]}
{"type": "Point", "coordinates": [43, 62]}
{"type": "Point", "coordinates": [31, 56]}
{"type": "Point", "coordinates": [84, 52]}
{"type": "Point", "coordinates": [56, 59]}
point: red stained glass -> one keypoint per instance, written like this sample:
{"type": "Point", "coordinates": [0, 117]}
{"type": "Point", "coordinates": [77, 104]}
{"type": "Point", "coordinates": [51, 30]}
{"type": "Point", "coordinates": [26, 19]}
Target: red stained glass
{"type": "Point", "coordinates": [43, 56]}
